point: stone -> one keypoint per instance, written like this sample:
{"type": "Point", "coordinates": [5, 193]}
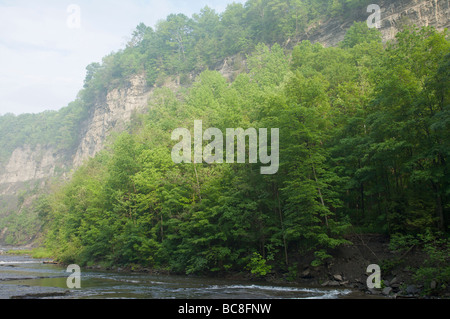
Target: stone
{"type": "Point", "coordinates": [412, 290]}
{"type": "Point", "coordinates": [306, 273]}
{"type": "Point", "coordinates": [374, 291]}
{"type": "Point", "coordinates": [338, 277]}
{"type": "Point", "coordinates": [433, 284]}
{"type": "Point", "coordinates": [393, 281]}
{"type": "Point", "coordinates": [333, 283]}
{"type": "Point", "coordinates": [386, 291]}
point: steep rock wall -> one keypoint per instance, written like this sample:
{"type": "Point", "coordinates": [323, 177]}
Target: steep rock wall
{"type": "Point", "coordinates": [32, 166]}
{"type": "Point", "coordinates": [112, 114]}
{"type": "Point", "coordinates": [29, 165]}
{"type": "Point", "coordinates": [26, 163]}
{"type": "Point", "coordinates": [394, 15]}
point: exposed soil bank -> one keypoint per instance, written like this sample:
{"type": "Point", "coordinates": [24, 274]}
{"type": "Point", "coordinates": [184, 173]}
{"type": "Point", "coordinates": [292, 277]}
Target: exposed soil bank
{"type": "Point", "coordinates": [349, 265]}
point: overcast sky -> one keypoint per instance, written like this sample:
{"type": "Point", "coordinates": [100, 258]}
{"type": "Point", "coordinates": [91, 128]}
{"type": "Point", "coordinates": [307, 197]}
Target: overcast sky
{"type": "Point", "coordinates": [44, 48]}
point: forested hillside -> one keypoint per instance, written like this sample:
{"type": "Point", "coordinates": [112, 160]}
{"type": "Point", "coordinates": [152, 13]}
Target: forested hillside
{"type": "Point", "coordinates": [364, 146]}
{"type": "Point", "coordinates": [364, 142]}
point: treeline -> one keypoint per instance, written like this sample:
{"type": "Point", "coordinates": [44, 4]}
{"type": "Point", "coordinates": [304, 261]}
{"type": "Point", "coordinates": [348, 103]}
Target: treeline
{"type": "Point", "coordinates": [364, 147]}
{"type": "Point", "coordinates": [182, 45]}
{"type": "Point", "coordinates": [59, 129]}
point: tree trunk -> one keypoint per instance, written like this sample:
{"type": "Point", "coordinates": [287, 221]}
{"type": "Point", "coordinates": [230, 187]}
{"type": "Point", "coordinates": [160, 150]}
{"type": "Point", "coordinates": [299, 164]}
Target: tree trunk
{"type": "Point", "coordinates": [320, 194]}
{"type": "Point", "coordinates": [440, 212]}
{"type": "Point", "coordinates": [198, 184]}
{"type": "Point", "coordinates": [439, 207]}
{"type": "Point", "coordinates": [282, 229]}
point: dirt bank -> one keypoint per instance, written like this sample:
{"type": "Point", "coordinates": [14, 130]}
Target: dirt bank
{"type": "Point", "coordinates": [349, 264]}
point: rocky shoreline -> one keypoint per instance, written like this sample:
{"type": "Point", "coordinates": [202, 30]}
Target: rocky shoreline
{"type": "Point", "coordinates": [348, 270]}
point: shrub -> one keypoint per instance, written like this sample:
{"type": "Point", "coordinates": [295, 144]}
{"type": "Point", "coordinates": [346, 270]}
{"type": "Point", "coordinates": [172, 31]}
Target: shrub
{"type": "Point", "coordinates": [258, 265]}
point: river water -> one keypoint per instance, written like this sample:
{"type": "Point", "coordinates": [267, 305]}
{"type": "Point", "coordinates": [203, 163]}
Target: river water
{"type": "Point", "coordinates": [23, 276]}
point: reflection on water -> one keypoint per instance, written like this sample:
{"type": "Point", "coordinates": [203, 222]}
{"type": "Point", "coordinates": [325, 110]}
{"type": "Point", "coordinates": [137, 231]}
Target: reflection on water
{"type": "Point", "coordinates": [21, 276]}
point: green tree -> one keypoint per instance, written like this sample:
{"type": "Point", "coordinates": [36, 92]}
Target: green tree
{"type": "Point", "coordinates": [359, 33]}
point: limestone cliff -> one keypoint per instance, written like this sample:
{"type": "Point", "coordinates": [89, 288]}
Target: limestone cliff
{"type": "Point", "coordinates": [30, 167]}
{"type": "Point", "coordinates": [28, 163]}
{"type": "Point", "coordinates": [111, 114]}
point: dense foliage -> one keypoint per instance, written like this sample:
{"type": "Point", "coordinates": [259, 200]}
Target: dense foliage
{"type": "Point", "coordinates": [180, 45]}
{"type": "Point", "coordinates": [58, 129]}
{"type": "Point", "coordinates": [364, 146]}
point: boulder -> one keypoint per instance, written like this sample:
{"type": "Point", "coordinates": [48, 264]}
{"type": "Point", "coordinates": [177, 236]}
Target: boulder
{"type": "Point", "coordinates": [338, 278]}
{"type": "Point", "coordinates": [412, 290]}
{"type": "Point", "coordinates": [306, 273]}
{"type": "Point", "coordinates": [374, 291]}
{"type": "Point", "coordinates": [393, 281]}
{"type": "Point", "coordinates": [386, 291]}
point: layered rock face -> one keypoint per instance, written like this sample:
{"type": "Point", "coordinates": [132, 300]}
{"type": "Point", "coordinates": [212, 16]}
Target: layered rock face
{"type": "Point", "coordinates": [31, 166]}
{"type": "Point", "coordinates": [112, 114]}
{"type": "Point", "coordinates": [27, 168]}
{"type": "Point", "coordinates": [28, 163]}
{"type": "Point", "coordinates": [395, 14]}
{"type": "Point", "coordinates": [34, 163]}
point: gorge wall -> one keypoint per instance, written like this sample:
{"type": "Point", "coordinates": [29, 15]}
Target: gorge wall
{"type": "Point", "coordinates": [28, 164]}
{"type": "Point", "coordinates": [111, 114]}
{"type": "Point", "coordinates": [395, 14]}
{"type": "Point", "coordinates": [31, 167]}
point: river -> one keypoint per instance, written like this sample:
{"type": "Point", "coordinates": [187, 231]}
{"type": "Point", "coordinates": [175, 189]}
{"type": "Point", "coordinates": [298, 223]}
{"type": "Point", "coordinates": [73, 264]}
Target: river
{"type": "Point", "coordinates": [25, 277]}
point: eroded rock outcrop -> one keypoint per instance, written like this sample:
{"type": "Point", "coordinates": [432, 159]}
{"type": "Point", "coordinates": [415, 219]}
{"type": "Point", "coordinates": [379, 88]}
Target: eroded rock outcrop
{"type": "Point", "coordinates": [30, 163]}
{"type": "Point", "coordinates": [395, 14]}
{"type": "Point", "coordinates": [112, 114]}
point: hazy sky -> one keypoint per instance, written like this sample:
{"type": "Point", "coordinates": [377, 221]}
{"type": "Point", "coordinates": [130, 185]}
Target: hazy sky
{"type": "Point", "coordinates": [44, 54]}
